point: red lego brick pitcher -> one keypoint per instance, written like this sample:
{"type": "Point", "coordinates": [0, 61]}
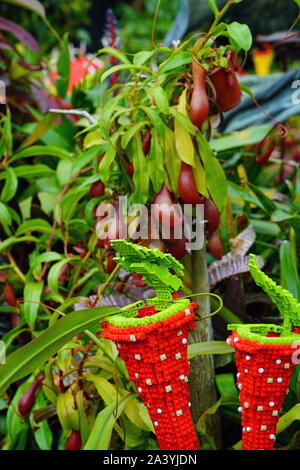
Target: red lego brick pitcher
{"type": "Point", "coordinates": [152, 340]}
{"type": "Point", "coordinates": [265, 359]}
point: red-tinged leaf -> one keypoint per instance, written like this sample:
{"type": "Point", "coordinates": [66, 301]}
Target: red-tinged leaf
{"type": "Point", "coordinates": [33, 5]}
{"type": "Point", "coordinates": [20, 33]}
{"type": "Point", "coordinates": [40, 129]}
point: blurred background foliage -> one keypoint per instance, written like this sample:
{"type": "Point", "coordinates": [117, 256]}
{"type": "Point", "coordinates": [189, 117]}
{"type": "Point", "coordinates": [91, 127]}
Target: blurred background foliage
{"type": "Point", "coordinates": [84, 19]}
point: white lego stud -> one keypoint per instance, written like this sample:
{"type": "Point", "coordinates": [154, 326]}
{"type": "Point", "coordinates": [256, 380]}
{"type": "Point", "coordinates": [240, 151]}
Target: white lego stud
{"type": "Point", "coordinates": [228, 341]}
{"type": "Point", "coordinates": [271, 403]}
{"type": "Point", "coordinates": [140, 390]}
{"type": "Point", "coordinates": [132, 338]}
{"type": "Point", "coordinates": [182, 377]}
{"type": "Point", "coordinates": [238, 374]}
{"type": "Point", "coordinates": [163, 357]}
{"type": "Point", "coordinates": [278, 361]}
{"type": "Point", "coordinates": [159, 411]}
{"type": "Point", "coordinates": [235, 339]}
{"type": "Point", "coordinates": [246, 371]}
{"type": "Point", "coordinates": [260, 408]}
{"type": "Point", "coordinates": [137, 357]}
{"type": "Point", "coordinates": [189, 404]}
{"type": "Point", "coordinates": [275, 413]}
{"type": "Point", "coordinates": [248, 429]}
{"type": "Point", "coordinates": [136, 375]}
{"type": "Point", "coordinates": [263, 427]}
{"type": "Point", "coordinates": [186, 379]}
{"type": "Point", "coordinates": [248, 358]}
{"type": "Point", "coordinates": [179, 412]}
{"type": "Point", "coordinates": [148, 381]}
{"type": "Point", "coordinates": [272, 437]}
{"type": "Point", "coordinates": [168, 388]}
{"type": "Point", "coordinates": [184, 340]}
{"type": "Point", "coordinates": [246, 404]}
{"type": "Point", "coordinates": [187, 312]}
{"type": "Point", "coordinates": [240, 386]}
{"type": "Point", "coordinates": [179, 333]}
{"type": "Point", "coordinates": [118, 345]}
{"type": "Point", "coordinates": [240, 409]}
{"type": "Point", "coordinates": [178, 356]}
{"type": "Point", "coordinates": [279, 380]}
{"type": "Point", "coordinates": [269, 380]}
{"type": "Point", "coordinates": [261, 370]}
{"type": "Point", "coordinates": [286, 365]}
{"type": "Point", "coordinates": [155, 423]}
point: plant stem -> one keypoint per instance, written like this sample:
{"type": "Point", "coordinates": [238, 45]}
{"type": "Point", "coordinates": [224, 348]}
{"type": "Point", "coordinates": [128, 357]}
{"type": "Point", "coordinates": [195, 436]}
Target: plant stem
{"type": "Point", "coordinates": [202, 375]}
{"type": "Point", "coordinates": [15, 267]}
{"type": "Point", "coordinates": [218, 17]}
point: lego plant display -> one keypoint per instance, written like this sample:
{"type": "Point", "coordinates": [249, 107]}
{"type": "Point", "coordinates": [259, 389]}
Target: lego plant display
{"type": "Point", "coordinates": [152, 340]}
{"type": "Point", "coordinates": [264, 358]}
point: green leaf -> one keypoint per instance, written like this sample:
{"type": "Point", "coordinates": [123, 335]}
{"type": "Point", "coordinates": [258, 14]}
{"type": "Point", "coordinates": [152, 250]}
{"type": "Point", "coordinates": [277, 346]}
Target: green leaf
{"type": "Point", "coordinates": [38, 150]}
{"type": "Point", "coordinates": [33, 292]}
{"type": "Point", "coordinates": [84, 425]}
{"type": "Point", "coordinates": [40, 129]}
{"type": "Point", "coordinates": [212, 5]}
{"type": "Point", "coordinates": [46, 257]}
{"type": "Point", "coordinates": [93, 138]}
{"type": "Point", "coordinates": [184, 120]}
{"type": "Point", "coordinates": [140, 174]}
{"type": "Point", "coordinates": [118, 68]}
{"type": "Point", "coordinates": [64, 171]}
{"type": "Point", "coordinates": [15, 423]}
{"type": "Point", "coordinates": [5, 216]}
{"type": "Point", "coordinates": [209, 347]}
{"type": "Point", "coordinates": [178, 60]}
{"type": "Point", "coordinates": [32, 5]}
{"type": "Point", "coordinates": [268, 204]}
{"type": "Point", "coordinates": [6, 142]}
{"type": "Point", "coordinates": [200, 178]}
{"type": "Point", "coordinates": [84, 159]}
{"type": "Point", "coordinates": [226, 384]}
{"type": "Point", "coordinates": [10, 186]}
{"type": "Point", "coordinates": [130, 133]}
{"type": "Point", "coordinates": [143, 56]}
{"type": "Point", "coordinates": [264, 227]}
{"type": "Point", "coordinates": [101, 433]}
{"type": "Point", "coordinates": [41, 431]}
{"type": "Point", "coordinates": [34, 225]}
{"type": "Point", "coordinates": [47, 201]}
{"type": "Point", "coordinates": [63, 68]}
{"type": "Point", "coordinates": [110, 107]}
{"type": "Point", "coordinates": [13, 240]}
{"type": "Point", "coordinates": [28, 358]}
{"type": "Point", "coordinates": [67, 414]}
{"type": "Point", "coordinates": [115, 53]}
{"type": "Point", "coordinates": [216, 181]}
{"type": "Point", "coordinates": [107, 160]}
{"type": "Point", "coordinates": [172, 161]}
{"type": "Point", "coordinates": [155, 162]}
{"type": "Point", "coordinates": [289, 269]}
{"type": "Point", "coordinates": [31, 171]}
{"type": "Point", "coordinates": [183, 141]}
{"type": "Point", "coordinates": [249, 136]}
{"type": "Point", "coordinates": [54, 272]}
{"type": "Point", "coordinates": [155, 119]}
{"type": "Point", "coordinates": [240, 35]}
{"type": "Point", "coordinates": [161, 99]}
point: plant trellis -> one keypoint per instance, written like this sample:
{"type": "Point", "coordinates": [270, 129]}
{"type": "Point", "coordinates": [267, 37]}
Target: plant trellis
{"type": "Point", "coordinates": [264, 358]}
{"type": "Point", "coordinates": [152, 340]}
